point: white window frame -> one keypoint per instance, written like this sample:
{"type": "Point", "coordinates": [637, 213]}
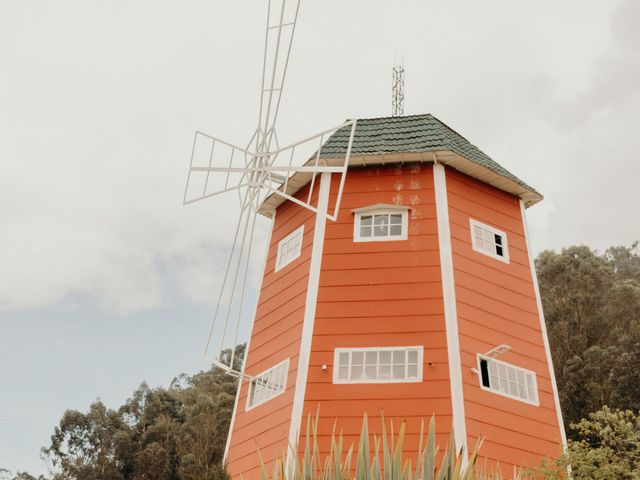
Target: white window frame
{"type": "Point", "coordinates": [336, 365]}
{"type": "Point", "coordinates": [497, 390]}
{"type": "Point", "coordinates": [283, 387]}
{"type": "Point", "coordinates": [381, 209]}
{"type": "Point", "coordinates": [480, 249]}
{"type": "Point", "coordinates": [283, 262]}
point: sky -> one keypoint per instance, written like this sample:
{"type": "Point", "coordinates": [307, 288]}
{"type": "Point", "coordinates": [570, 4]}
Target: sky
{"type": "Point", "coordinates": [106, 280]}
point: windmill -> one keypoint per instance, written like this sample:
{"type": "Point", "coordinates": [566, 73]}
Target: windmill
{"type": "Point", "coordinates": [260, 169]}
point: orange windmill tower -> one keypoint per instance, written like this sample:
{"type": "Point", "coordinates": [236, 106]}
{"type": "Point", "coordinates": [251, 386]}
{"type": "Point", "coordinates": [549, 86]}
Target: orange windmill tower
{"type": "Point", "coordinates": [398, 276]}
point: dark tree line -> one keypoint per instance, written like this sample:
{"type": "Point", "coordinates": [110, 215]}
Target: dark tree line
{"type": "Point", "coordinates": [592, 308]}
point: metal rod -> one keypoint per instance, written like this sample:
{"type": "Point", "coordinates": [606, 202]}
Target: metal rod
{"type": "Point", "coordinates": [206, 181]}
{"type": "Point", "coordinates": [347, 158]}
{"type": "Point", "coordinates": [193, 151]}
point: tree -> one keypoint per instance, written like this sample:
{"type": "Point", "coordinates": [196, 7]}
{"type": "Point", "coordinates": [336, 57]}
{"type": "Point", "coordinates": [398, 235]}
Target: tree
{"type": "Point", "coordinates": [606, 447]}
{"type": "Point", "coordinates": [592, 308]}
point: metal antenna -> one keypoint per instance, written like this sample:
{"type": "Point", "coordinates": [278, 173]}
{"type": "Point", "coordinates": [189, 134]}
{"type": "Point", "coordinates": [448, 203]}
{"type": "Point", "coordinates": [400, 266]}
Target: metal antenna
{"type": "Point", "coordinates": [397, 102]}
{"type": "Point", "coordinates": [260, 170]}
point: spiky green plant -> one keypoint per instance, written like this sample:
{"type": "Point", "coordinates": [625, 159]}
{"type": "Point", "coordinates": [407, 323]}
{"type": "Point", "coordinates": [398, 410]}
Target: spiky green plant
{"type": "Point", "coordinates": [387, 461]}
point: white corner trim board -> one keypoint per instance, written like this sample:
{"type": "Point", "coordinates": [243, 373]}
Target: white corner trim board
{"type": "Point", "coordinates": [450, 310]}
{"type": "Point", "coordinates": [309, 318]}
{"type": "Point", "coordinates": [543, 328]}
{"type": "Point", "coordinates": [248, 346]}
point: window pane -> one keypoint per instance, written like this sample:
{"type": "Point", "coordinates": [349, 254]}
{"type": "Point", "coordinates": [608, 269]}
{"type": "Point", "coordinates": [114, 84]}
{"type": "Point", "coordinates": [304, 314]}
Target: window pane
{"type": "Point", "coordinates": [398, 357]}
{"type": "Point", "coordinates": [412, 371]}
{"type": "Point", "coordinates": [381, 219]}
{"type": "Point", "coordinates": [381, 230]}
{"type": "Point", "coordinates": [395, 230]}
{"type": "Point", "coordinates": [343, 373]}
{"type": "Point", "coordinates": [365, 220]}
{"type": "Point", "coordinates": [498, 239]}
{"type": "Point", "coordinates": [396, 219]}
{"type": "Point", "coordinates": [343, 358]}
{"type": "Point", "coordinates": [365, 231]}
{"type": "Point", "coordinates": [398, 371]}
{"type": "Point", "coordinates": [413, 356]}
{"type": "Point", "coordinates": [357, 372]}
{"type": "Point", "coordinates": [357, 358]}
{"type": "Point", "coordinates": [385, 372]}
{"type": "Point", "coordinates": [371, 358]}
{"type": "Point", "coordinates": [370, 372]}
{"type": "Point", "coordinates": [385, 357]}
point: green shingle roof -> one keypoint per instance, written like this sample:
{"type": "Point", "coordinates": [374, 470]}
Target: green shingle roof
{"type": "Point", "coordinates": [410, 134]}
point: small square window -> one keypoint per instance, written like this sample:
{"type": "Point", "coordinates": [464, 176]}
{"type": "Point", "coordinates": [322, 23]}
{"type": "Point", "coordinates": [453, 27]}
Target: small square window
{"type": "Point", "coordinates": [489, 241]}
{"type": "Point", "coordinates": [381, 224]}
{"type": "Point", "coordinates": [268, 384]}
{"type": "Point", "coordinates": [289, 248]}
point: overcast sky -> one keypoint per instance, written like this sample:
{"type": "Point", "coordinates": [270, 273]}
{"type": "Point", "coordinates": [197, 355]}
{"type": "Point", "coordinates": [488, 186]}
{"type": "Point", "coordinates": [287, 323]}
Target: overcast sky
{"type": "Point", "coordinates": [106, 280]}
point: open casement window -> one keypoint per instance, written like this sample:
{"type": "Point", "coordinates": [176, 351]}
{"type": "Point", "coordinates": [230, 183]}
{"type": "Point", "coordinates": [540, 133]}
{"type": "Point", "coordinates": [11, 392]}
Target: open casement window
{"type": "Point", "coordinates": [378, 365]}
{"type": "Point", "coordinates": [379, 223]}
{"type": "Point", "coordinates": [489, 241]}
{"type": "Point", "coordinates": [508, 380]}
{"type": "Point", "coordinates": [268, 384]}
{"type": "Point", "coordinates": [289, 248]}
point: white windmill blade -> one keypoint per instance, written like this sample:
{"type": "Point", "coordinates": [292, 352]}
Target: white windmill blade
{"type": "Point", "coordinates": [211, 154]}
{"type": "Point", "coordinates": [315, 164]}
{"type": "Point", "coordinates": [282, 16]}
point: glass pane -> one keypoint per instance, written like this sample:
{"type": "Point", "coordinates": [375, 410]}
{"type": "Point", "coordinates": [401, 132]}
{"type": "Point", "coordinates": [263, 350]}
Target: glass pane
{"type": "Point", "coordinates": [395, 219]}
{"type": "Point", "coordinates": [365, 231]}
{"type": "Point", "coordinates": [395, 230]}
{"type": "Point", "coordinates": [357, 358]}
{"type": "Point", "coordinates": [371, 358]}
{"type": "Point", "coordinates": [493, 369]}
{"type": "Point", "coordinates": [398, 357]}
{"type": "Point", "coordinates": [357, 372]}
{"type": "Point", "coordinates": [532, 394]}
{"type": "Point", "coordinates": [385, 357]}
{"type": "Point", "coordinates": [381, 231]}
{"type": "Point", "coordinates": [522, 391]}
{"type": "Point", "coordinates": [398, 371]}
{"type": "Point", "coordinates": [370, 372]}
{"type": "Point", "coordinates": [343, 358]}
{"type": "Point", "coordinates": [385, 372]}
{"type": "Point", "coordinates": [412, 371]}
{"type": "Point", "coordinates": [494, 382]}
{"type": "Point", "coordinates": [413, 356]}
{"type": "Point", "coordinates": [365, 220]}
{"type": "Point", "coordinates": [498, 239]}
{"type": "Point", "coordinates": [343, 373]}
{"type": "Point", "coordinates": [499, 250]}
{"type": "Point", "coordinates": [513, 388]}
{"type": "Point", "coordinates": [381, 219]}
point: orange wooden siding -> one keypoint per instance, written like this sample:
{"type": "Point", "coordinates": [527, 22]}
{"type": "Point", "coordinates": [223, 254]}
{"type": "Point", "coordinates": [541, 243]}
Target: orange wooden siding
{"type": "Point", "coordinates": [275, 337]}
{"type": "Point", "coordinates": [496, 305]}
{"type": "Point", "coordinates": [376, 294]}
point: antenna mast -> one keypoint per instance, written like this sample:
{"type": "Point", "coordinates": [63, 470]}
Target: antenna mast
{"type": "Point", "coordinates": [397, 106]}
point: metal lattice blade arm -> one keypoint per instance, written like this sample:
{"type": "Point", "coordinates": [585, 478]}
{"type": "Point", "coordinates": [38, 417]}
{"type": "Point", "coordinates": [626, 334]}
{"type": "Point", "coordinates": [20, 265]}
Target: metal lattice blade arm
{"type": "Point", "coordinates": [282, 16]}
{"type": "Point", "coordinates": [216, 167]}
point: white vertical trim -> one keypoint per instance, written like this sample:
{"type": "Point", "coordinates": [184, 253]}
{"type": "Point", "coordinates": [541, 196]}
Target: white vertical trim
{"type": "Point", "coordinates": [450, 310]}
{"type": "Point", "coordinates": [246, 351]}
{"type": "Point", "coordinates": [309, 319]}
{"type": "Point", "coordinates": [543, 328]}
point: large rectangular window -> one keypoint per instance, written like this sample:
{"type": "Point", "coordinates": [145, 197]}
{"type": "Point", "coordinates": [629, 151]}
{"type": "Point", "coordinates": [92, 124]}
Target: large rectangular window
{"type": "Point", "coordinates": [508, 380]}
{"type": "Point", "coordinates": [289, 248]}
{"type": "Point", "coordinates": [377, 365]}
{"type": "Point", "coordinates": [268, 384]}
{"type": "Point", "coordinates": [489, 240]}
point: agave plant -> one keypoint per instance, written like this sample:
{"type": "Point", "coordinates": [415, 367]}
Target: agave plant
{"type": "Point", "coordinates": [386, 463]}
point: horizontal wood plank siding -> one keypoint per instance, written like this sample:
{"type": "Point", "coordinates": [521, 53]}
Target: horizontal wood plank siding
{"type": "Point", "coordinates": [377, 294]}
{"type": "Point", "coordinates": [496, 305]}
{"type": "Point", "coordinates": [275, 336]}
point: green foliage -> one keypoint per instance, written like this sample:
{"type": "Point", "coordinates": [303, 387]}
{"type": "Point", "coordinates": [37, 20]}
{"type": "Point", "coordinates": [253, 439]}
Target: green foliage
{"type": "Point", "coordinates": [592, 308]}
{"type": "Point", "coordinates": [606, 447]}
{"type": "Point", "coordinates": [388, 464]}
{"type": "Point", "coordinates": [177, 433]}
